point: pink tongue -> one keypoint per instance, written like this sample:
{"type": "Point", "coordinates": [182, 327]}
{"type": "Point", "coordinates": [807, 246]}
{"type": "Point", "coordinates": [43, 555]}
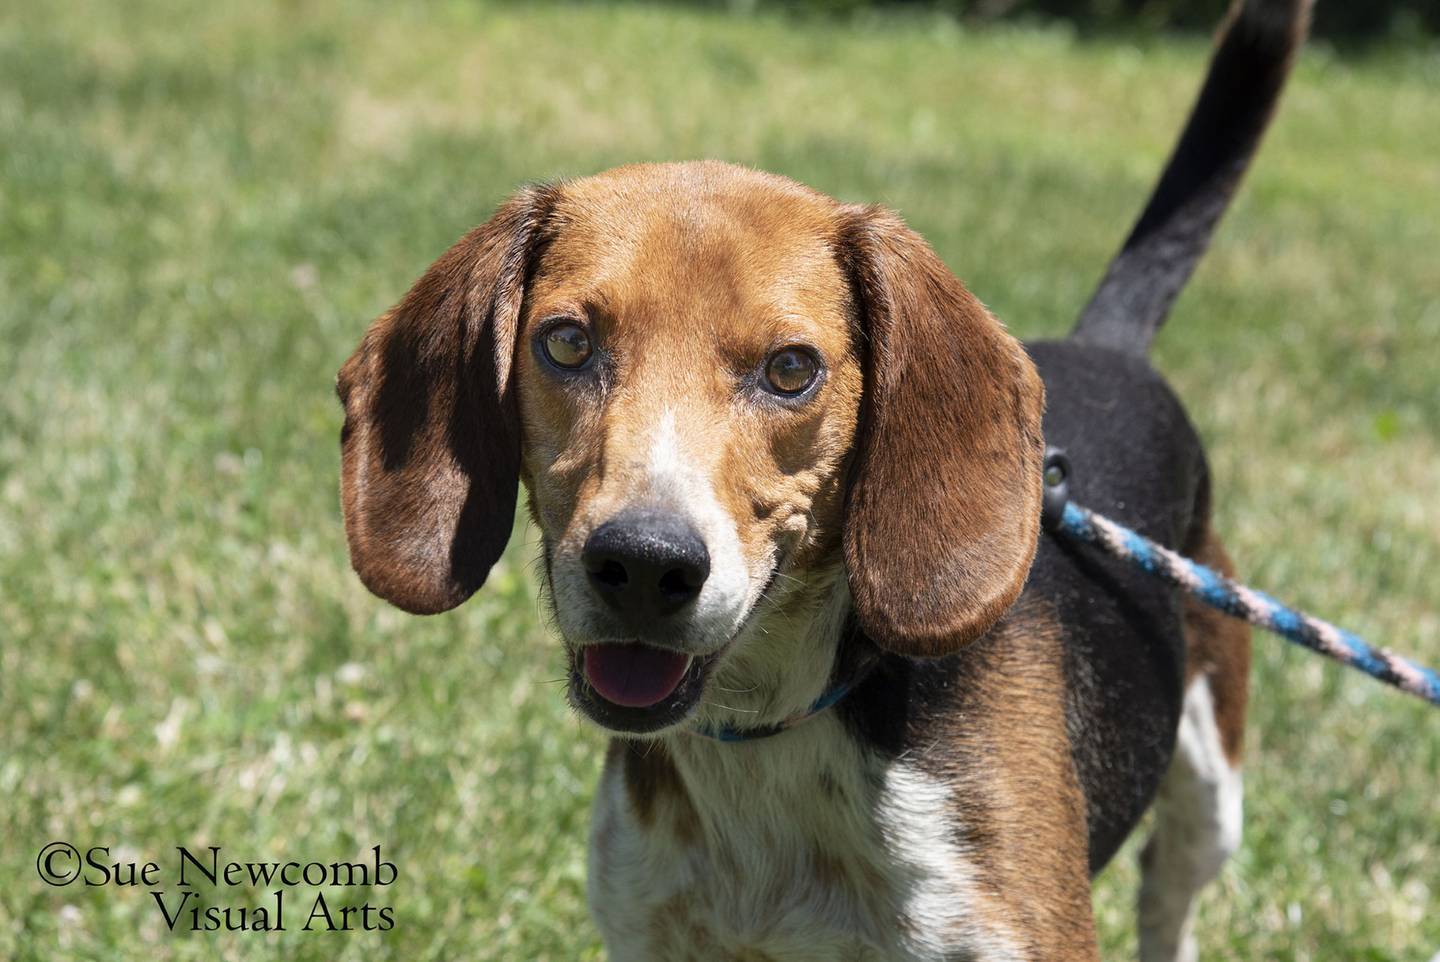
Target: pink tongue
{"type": "Point", "coordinates": [634, 675]}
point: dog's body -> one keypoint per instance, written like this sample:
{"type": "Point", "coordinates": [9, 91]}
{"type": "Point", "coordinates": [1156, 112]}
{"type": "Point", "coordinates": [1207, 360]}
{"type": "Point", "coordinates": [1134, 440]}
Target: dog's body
{"type": "Point", "coordinates": [956, 808]}
{"type": "Point", "coordinates": [774, 447]}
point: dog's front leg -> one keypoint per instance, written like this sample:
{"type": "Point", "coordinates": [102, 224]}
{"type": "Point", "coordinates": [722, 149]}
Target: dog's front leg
{"type": "Point", "coordinates": [988, 868]}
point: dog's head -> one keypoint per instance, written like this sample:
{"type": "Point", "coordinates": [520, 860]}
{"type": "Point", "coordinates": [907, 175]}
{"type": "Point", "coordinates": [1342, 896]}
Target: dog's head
{"type": "Point", "coordinates": [736, 405]}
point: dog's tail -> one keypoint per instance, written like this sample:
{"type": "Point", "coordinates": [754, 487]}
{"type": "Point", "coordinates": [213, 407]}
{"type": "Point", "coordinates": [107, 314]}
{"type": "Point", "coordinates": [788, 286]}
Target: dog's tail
{"type": "Point", "coordinates": [1252, 59]}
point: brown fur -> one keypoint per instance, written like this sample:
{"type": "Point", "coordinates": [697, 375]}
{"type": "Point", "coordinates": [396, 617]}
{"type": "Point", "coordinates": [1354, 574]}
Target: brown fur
{"type": "Point", "coordinates": [1004, 753]}
{"type": "Point", "coordinates": [952, 419]}
{"type": "Point", "coordinates": [430, 448]}
{"type": "Point", "coordinates": [1218, 647]}
{"type": "Point", "coordinates": [656, 793]}
{"type": "Point", "coordinates": [663, 281]}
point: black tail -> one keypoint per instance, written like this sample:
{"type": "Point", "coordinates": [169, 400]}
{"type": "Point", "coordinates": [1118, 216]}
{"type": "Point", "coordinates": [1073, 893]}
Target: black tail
{"type": "Point", "coordinates": [1247, 73]}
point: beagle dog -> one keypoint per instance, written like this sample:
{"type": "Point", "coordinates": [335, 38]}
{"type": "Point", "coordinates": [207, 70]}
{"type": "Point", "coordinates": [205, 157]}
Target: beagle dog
{"type": "Point", "coordinates": [787, 474]}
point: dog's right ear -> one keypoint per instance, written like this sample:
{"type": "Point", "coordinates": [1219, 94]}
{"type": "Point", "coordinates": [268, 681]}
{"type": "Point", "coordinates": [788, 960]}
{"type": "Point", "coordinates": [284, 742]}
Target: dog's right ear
{"type": "Point", "coordinates": [430, 450]}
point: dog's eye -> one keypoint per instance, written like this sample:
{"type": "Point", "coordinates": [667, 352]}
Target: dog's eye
{"type": "Point", "coordinates": [791, 370]}
{"type": "Point", "coordinates": [566, 345]}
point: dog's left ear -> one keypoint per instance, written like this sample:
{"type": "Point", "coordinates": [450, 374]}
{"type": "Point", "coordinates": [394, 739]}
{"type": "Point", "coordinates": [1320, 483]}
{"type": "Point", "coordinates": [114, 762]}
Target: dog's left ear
{"type": "Point", "coordinates": [942, 514]}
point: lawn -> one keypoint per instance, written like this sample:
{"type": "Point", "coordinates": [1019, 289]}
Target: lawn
{"type": "Point", "coordinates": [201, 207]}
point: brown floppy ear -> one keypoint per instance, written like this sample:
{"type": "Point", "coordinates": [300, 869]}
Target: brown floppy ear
{"type": "Point", "coordinates": [943, 510]}
{"type": "Point", "coordinates": [430, 450]}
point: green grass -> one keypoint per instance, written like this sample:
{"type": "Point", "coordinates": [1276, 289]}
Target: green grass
{"type": "Point", "coordinates": [201, 206]}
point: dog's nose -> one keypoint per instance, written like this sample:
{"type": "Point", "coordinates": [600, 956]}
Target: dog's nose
{"type": "Point", "coordinates": [646, 564]}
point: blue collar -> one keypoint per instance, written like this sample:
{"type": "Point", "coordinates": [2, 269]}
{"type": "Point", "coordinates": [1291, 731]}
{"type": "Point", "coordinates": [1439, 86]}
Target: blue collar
{"type": "Point", "coordinates": [831, 696]}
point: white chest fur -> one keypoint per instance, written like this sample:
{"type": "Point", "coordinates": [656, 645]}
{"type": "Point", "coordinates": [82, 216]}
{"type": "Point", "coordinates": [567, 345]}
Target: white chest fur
{"type": "Point", "coordinates": [798, 847]}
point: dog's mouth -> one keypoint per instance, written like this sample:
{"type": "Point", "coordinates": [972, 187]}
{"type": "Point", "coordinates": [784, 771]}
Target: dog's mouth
{"type": "Point", "coordinates": [637, 688]}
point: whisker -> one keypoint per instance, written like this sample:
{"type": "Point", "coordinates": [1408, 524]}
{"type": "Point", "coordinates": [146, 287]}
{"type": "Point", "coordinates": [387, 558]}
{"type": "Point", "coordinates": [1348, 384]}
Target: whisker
{"type": "Point", "coordinates": [739, 691]}
{"type": "Point", "coordinates": [748, 711]}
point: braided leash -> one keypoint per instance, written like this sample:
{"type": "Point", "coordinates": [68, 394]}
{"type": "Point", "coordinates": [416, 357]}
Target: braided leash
{"type": "Point", "coordinates": [1219, 592]}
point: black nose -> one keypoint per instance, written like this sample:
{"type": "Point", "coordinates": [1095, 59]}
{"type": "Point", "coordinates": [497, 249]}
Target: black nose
{"type": "Point", "coordinates": [646, 564]}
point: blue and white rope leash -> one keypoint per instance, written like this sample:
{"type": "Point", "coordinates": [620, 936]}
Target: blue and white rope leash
{"type": "Point", "coordinates": [1222, 594]}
